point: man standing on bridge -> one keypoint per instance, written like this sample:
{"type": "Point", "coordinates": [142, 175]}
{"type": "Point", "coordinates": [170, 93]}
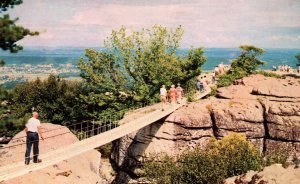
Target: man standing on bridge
{"type": "Point", "coordinates": [33, 130]}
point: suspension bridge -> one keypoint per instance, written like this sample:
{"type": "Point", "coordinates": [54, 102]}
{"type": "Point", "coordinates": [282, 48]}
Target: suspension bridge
{"type": "Point", "coordinates": [96, 140]}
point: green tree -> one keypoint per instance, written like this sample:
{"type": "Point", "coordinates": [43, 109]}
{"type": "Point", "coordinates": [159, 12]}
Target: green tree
{"type": "Point", "coordinates": [55, 99]}
{"type": "Point", "coordinates": [133, 67]}
{"type": "Point", "coordinates": [247, 61]}
{"type": "Point", "coordinates": [5, 4]}
{"type": "Point", "coordinates": [10, 33]}
{"type": "Point", "coordinates": [298, 58]}
{"type": "Point", "coordinates": [246, 64]}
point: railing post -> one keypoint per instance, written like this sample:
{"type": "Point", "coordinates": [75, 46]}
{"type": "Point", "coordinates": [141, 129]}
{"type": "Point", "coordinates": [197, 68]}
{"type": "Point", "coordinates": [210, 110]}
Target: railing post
{"type": "Point", "coordinates": [93, 127]}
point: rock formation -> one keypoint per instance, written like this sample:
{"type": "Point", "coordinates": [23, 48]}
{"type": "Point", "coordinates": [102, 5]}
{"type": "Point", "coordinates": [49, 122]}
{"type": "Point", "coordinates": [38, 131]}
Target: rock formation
{"type": "Point", "coordinates": [80, 169]}
{"type": "Point", "coordinates": [266, 109]}
{"type": "Point", "coordinates": [274, 174]}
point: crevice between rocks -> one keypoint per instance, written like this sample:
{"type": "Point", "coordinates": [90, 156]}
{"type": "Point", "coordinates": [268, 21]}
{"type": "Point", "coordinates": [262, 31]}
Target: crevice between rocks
{"type": "Point", "coordinates": [181, 124]}
{"type": "Point", "coordinates": [268, 95]}
{"type": "Point", "coordinates": [283, 140]}
{"type": "Point", "coordinates": [265, 123]}
{"type": "Point", "coordinates": [183, 139]}
{"type": "Point", "coordinates": [214, 124]}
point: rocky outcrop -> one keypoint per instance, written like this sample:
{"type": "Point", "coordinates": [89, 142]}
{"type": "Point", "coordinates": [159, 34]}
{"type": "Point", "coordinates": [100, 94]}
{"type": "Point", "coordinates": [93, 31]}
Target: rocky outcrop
{"type": "Point", "coordinates": [274, 174]}
{"type": "Point", "coordinates": [83, 168]}
{"type": "Point", "coordinates": [266, 109]}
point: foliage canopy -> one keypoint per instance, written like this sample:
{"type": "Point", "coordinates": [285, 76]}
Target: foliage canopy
{"type": "Point", "coordinates": [56, 100]}
{"type": "Point", "coordinates": [10, 33]}
{"type": "Point", "coordinates": [134, 65]}
{"type": "Point", "coordinates": [5, 4]}
{"type": "Point", "coordinates": [244, 65]}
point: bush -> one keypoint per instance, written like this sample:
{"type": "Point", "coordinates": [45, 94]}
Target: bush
{"type": "Point", "coordinates": [161, 172]}
{"type": "Point", "coordinates": [238, 154]}
{"type": "Point", "coordinates": [268, 74]}
{"type": "Point", "coordinates": [233, 155]}
{"type": "Point", "coordinates": [213, 91]}
{"type": "Point", "coordinates": [225, 80]}
{"type": "Point", "coordinates": [277, 155]}
{"type": "Point", "coordinates": [200, 167]}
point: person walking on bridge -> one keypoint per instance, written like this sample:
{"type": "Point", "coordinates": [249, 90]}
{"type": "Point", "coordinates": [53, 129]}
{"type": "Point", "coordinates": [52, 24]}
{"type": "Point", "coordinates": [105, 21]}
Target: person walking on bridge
{"type": "Point", "coordinates": [172, 94]}
{"type": "Point", "coordinates": [163, 97]}
{"type": "Point", "coordinates": [179, 93]}
{"type": "Point", "coordinates": [33, 130]}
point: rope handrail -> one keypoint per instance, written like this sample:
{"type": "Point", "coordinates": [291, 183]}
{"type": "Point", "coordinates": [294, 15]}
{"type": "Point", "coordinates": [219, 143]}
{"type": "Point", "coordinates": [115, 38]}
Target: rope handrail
{"type": "Point", "coordinates": [115, 118]}
{"type": "Point", "coordinates": [80, 132]}
{"type": "Point", "coordinates": [8, 147]}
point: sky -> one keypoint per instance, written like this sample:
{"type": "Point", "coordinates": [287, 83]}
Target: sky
{"type": "Point", "coordinates": [206, 23]}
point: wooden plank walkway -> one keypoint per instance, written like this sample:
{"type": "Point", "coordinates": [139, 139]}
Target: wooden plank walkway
{"type": "Point", "coordinates": [77, 148]}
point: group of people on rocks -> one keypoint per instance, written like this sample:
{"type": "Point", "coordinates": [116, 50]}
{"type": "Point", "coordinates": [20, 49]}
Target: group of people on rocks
{"type": "Point", "coordinates": [173, 95]}
{"type": "Point", "coordinates": [220, 69]}
{"type": "Point", "coordinates": [283, 68]}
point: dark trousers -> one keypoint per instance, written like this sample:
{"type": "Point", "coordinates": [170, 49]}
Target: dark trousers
{"type": "Point", "coordinates": [32, 138]}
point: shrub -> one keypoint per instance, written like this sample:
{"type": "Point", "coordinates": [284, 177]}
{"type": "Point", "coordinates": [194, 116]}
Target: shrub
{"type": "Point", "coordinates": [161, 172]}
{"type": "Point", "coordinates": [225, 80]}
{"type": "Point", "coordinates": [200, 167]}
{"type": "Point", "coordinates": [238, 154]}
{"type": "Point", "coordinates": [278, 154]}
{"type": "Point", "coordinates": [213, 91]}
{"type": "Point", "coordinates": [233, 155]}
{"type": "Point", "coordinates": [268, 74]}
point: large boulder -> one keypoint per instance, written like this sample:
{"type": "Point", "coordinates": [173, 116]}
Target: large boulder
{"type": "Point", "coordinates": [83, 168]}
{"type": "Point", "coordinates": [283, 120]}
{"type": "Point", "coordinates": [244, 116]}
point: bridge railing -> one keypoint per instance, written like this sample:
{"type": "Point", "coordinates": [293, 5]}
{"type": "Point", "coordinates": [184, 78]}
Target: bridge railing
{"type": "Point", "coordinates": [82, 130]}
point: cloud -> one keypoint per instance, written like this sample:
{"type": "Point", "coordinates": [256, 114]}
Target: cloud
{"type": "Point", "coordinates": [117, 15]}
{"type": "Point", "coordinates": [284, 38]}
{"type": "Point", "coordinates": [209, 23]}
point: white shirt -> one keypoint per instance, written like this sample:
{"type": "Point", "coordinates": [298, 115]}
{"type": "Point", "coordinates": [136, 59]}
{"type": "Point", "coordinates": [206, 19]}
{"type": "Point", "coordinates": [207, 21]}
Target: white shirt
{"type": "Point", "coordinates": [163, 92]}
{"type": "Point", "coordinates": [33, 124]}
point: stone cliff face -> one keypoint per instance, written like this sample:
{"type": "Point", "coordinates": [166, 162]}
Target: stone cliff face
{"type": "Point", "coordinates": [266, 109]}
